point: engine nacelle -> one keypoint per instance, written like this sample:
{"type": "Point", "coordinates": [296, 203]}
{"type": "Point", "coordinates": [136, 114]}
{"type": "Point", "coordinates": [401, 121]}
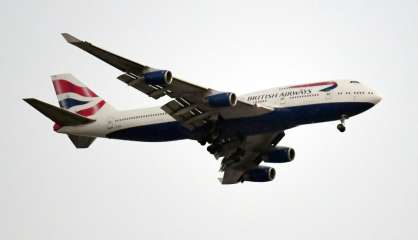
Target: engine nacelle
{"type": "Point", "coordinates": [222, 100]}
{"type": "Point", "coordinates": [159, 77]}
{"type": "Point", "coordinates": [279, 155]}
{"type": "Point", "coordinates": [260, 174]}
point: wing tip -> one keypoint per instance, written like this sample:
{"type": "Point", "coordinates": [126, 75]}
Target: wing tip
{"type": "Point", "coordinates": [29, 100]}
{"type": "Point", "coordinates": [32, 102]}
{"type": "Point", "coordinates": [70, 38]}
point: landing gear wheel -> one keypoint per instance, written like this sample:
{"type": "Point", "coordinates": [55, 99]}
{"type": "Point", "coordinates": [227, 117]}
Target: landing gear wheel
{"type": "Point", "coordinates": [341, 127]}
{"type": "Point", "coordinates": [212, 149]}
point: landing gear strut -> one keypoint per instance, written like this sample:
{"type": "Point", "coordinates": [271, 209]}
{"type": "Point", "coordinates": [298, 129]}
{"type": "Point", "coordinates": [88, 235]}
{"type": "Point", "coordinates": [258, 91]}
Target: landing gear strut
{"type": "Point", "coordinates": [341, 126]}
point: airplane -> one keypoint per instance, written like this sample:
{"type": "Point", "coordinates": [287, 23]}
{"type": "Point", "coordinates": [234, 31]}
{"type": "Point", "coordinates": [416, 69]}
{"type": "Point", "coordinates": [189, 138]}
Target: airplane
{"type": "Point", "coordinates": [242, 130]}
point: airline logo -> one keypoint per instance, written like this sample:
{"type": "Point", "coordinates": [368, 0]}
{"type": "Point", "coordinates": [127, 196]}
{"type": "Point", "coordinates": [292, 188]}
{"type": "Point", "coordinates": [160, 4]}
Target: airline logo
{"type": "Point", "coordinates": [78, 99]}
{"type": "Point", "coordinates": [296, 90]}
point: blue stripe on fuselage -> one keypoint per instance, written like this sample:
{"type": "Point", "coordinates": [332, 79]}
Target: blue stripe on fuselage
{"type": "Point", "coordinates": [160, 132]}
{"type": "Point", "coordinates": [279, 119]}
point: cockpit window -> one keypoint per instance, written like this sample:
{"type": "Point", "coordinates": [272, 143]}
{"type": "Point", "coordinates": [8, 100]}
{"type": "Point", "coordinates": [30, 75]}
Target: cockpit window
{"type": "Point", "coordinates": [354, 82]}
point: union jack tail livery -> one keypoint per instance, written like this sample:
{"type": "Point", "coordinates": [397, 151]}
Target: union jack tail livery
{"type": "Point", "coordinates": [75, 97]}
{"type": "Point", "coordinates": [80, 108]}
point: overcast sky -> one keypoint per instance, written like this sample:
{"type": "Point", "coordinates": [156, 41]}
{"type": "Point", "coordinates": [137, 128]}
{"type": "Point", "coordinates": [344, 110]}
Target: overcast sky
{"type": "Point", "coordinates": [361, 184]}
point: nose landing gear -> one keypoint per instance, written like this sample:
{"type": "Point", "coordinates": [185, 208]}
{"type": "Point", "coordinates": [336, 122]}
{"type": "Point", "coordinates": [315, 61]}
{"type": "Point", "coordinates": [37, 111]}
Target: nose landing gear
{"type": "Point", "coordinates": [341, 126]}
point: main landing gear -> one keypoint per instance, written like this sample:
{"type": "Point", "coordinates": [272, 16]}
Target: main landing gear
{"type": "Point", "coordinates": [341, 126]}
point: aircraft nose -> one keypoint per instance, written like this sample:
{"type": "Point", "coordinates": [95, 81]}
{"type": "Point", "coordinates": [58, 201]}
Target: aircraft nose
{"type": "Point", "coordinates": [376, 99]}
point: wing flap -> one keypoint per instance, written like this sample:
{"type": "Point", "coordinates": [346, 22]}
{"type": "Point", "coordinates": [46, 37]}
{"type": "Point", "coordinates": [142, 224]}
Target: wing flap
{"type": "Point", "coordinates": [188, 114]}
{"type": "Point", "coordinates": [232, 176]}
{"type": "Point", "coordinates": [149, 90]}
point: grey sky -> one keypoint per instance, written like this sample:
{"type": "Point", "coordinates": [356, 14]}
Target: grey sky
{"type": "Point", "coordinates": [362, 184]}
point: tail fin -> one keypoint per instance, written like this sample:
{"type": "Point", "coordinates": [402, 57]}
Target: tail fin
{"type": "Point", "coordinates": [79, 105]}
{"type": "Point", "coordinates": [75, 97]}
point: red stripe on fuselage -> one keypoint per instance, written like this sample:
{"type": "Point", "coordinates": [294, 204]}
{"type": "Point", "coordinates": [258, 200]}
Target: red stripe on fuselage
{"type": "Point", "coordinates": [64, 86]}
{"type": "Point", "coordinates": [91, 110]}
{"type": "Point", "coordinates": [314, 84]}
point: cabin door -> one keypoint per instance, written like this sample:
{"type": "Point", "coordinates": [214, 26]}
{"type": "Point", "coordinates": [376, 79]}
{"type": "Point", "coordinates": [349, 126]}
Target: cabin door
{"type": "Point", "coordinates": [328, 96]}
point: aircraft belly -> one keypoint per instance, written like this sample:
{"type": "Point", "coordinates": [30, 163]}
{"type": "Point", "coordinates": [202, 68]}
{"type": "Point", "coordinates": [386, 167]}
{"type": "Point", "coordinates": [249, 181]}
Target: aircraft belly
{"type": "Point", "coordinates": [160, 132]}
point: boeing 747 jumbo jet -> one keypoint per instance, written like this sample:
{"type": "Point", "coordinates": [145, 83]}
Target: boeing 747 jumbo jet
{"type": "Point", "coordinates": [243, 131]}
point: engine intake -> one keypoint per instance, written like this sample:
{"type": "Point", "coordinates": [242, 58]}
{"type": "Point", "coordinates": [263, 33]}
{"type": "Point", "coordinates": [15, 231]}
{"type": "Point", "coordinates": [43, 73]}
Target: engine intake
{"type": "Point", "coordinates": [222, 100]}
{"type": "Point", "coordinates": [279, 155]}
{"type": "Point", "coordinates": [159, 77]}
{"type": "Point", "coordinates": [260, 174]}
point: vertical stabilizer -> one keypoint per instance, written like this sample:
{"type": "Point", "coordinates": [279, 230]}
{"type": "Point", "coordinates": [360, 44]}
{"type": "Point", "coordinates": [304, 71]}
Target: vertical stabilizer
{"type": "Point", "coordinates": [75, 97]}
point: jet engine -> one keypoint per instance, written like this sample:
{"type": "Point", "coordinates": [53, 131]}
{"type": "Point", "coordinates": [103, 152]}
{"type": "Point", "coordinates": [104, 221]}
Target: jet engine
{"type": "Point", "coordinates": [159, 77]}
{"type": "Point", "coordinates": [260, 174]}
{"type": "Point", "coordinates": [279, 155]}
{"type": "Point", "coordinates": [226, 99]}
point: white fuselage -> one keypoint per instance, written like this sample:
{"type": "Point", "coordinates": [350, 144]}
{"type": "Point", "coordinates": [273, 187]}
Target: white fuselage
{"type": "Point", "coordinates": [316, 94]}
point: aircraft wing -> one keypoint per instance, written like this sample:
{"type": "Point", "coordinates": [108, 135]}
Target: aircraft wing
{"type": "Point", "coordinates": [244, 154]}
{"type": "Point", "coordinates": [190, 102]}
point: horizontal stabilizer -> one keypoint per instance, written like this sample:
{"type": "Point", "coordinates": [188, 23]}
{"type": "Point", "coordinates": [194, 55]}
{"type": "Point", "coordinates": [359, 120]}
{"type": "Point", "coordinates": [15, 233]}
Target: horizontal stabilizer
{"type": "Point", "coordinates": [81, 141]}
{"type": "Point", "coordinates": [56, 114]}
